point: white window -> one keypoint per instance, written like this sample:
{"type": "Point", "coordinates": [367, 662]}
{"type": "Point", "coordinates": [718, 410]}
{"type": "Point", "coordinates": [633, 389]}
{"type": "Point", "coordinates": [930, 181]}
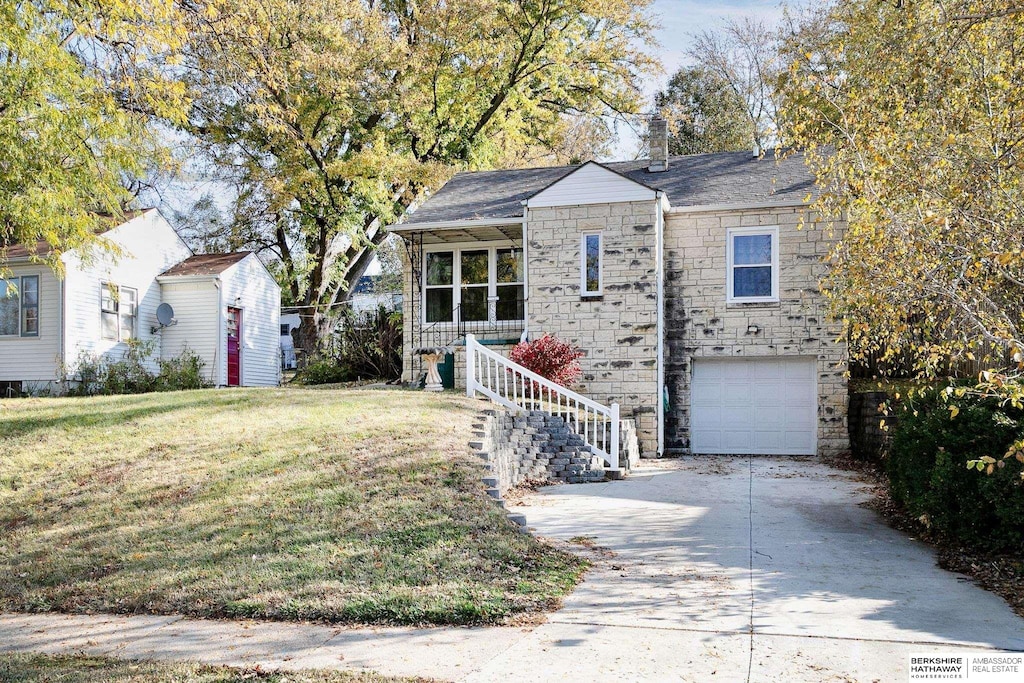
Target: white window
{"type": "Point", "coordinates": [752, 255]}
{"type": "Point", "coordinates": [590, 264]}
{"type": "Point", "coordinates": [462, 284]}
{"type": "Point", "coordinates": [19, 306]}
{"type": "Point", "coordinates": [119, 312]}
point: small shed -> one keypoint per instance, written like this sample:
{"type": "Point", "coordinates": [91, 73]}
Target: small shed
{"type": "Point", "coordinates": [227, 309]}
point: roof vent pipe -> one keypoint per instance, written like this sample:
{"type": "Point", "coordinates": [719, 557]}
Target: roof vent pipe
{"type": "Point", "coordinates": [657, 141]}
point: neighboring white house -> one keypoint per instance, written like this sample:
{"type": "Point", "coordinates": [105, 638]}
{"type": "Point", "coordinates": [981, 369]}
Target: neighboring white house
{"type": "Point", "coordinates": [367, 297]}
{"type": "Point", "coordinates": [289, 321]}
{"type": "Point", "coordinates": [227, 308]}
{"type": "Point", "coordinates": [48, 323]}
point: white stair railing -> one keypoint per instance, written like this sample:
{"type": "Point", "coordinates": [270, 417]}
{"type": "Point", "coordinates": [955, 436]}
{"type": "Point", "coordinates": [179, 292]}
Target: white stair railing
{"type": "Point", "coordinates": [513, 386]}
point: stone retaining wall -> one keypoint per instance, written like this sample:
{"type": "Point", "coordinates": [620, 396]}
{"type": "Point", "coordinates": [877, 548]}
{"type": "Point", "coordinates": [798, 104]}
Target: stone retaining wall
{"type": "Point", "coordinates": [868, 439]}
{"type": "Point", "coordinates": [533, 446]}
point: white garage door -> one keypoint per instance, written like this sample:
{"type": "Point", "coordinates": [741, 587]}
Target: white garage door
{"type": "Point", "coordinates": [764, 405]}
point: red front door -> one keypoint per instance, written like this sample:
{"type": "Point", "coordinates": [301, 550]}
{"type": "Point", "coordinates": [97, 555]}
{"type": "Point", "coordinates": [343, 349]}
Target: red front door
{"type": "Point", "coordinates": [234, 346]}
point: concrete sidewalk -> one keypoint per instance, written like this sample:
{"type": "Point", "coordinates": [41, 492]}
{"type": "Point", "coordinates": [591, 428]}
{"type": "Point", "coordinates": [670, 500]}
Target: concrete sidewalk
{"type": "Point", "coordinates": [728, 569]}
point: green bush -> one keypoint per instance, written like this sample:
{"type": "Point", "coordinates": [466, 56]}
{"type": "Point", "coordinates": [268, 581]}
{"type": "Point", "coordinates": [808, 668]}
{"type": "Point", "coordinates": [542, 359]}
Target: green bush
{"type": "Point", "coordinates": [367, 346]}
{"type": "Point", "coordinates": [928, 474]}
{"type": "Point", "coordinates": [180, 373]}
{"type": "Point", "coordinates": [324, 371]}
{"type": "Point", "coordinates": [99, 374]}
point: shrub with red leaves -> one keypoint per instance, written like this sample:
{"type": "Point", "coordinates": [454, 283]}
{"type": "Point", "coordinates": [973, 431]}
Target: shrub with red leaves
{"type": "Point", "coordinates": [549, 357]}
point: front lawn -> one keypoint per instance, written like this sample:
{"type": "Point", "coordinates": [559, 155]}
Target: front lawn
{"type": "Point", "coordinates": [81, 669]}
{"type": "Point", "coordinates": [339, 505]}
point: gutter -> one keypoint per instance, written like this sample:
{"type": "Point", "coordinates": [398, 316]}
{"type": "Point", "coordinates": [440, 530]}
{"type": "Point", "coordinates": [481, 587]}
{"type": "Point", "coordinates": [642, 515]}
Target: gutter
{"type": "Point", "coordinates": [458, 224]}
{"type": "Point", "coordinates": [744, 206]}
{"type": "Point", "coordinates": [659, 267]}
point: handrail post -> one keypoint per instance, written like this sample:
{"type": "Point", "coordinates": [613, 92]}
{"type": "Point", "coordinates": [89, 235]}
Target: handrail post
{"type": "Point", "coordinates": [613, 454]}
{"type": "Point", "coordinates": [470, 365]}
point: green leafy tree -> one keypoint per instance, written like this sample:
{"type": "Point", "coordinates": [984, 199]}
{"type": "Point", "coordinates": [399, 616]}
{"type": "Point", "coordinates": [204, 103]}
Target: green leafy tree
{"type": "Point", "coordinates": [912, 115]}
{"type": "Point", "coordinates": [332, 117]}
{"type": "Point", "coordinates": [704, 114]}
{"type": "Point", "coordinates": [80, 84]}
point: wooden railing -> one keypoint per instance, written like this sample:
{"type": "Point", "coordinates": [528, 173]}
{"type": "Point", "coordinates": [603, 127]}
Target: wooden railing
{"type": "Point", "coordinates": [513, 386]}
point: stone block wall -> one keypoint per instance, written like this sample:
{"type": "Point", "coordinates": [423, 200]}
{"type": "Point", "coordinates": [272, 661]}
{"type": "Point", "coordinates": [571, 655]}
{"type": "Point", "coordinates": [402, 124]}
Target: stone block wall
{"type": "Point", "coordinates": [618, 330]}
{"type": "Point", "coordinates": [869, 440]}
{"type": "Point", "coordinates": [699, 322]}
{"type": "Point", "coordinates": [533, 446]}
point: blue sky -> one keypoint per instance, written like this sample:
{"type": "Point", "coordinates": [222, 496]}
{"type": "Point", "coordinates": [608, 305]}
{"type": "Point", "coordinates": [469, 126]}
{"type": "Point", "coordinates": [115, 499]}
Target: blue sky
{"type": "Point", "coordinates": [677, 21]}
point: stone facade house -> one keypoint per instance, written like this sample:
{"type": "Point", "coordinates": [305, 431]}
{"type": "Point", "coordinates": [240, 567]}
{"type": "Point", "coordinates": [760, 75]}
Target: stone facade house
{"type": "Point", "coordinates": [691, 284]}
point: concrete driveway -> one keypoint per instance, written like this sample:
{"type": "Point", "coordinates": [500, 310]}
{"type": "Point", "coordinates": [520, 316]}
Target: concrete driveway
{"type": "Point", "coordinates": [713, 569]}
{"type": "Point", "coordinates": [735, 569]}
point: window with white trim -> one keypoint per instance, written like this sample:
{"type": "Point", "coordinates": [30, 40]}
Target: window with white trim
{"type": "Point", "coordinates": [752, 257]}
{"type": "Point", "coordinates": [19, 306]}
{"type": "Point", "coordinates": [119, 312]}
{"type": "Point", "coordinates": [590, 264]}
{"type": "Point", "coordinates": [472, 284]}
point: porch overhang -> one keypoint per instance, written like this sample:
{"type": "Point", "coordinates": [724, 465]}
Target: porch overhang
{"type": "Point", "coordinates": [469, 230]}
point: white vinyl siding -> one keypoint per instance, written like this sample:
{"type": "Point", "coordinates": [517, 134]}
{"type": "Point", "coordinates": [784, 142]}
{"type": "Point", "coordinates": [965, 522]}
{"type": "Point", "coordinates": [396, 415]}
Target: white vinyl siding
{"type": "Point", "coordinates": [149, 246]}
{"type": "Point", "coordinates": [247, 285]}
{"type": "Point", "coordinates": [754, 406]}
{"type": "Point", "coordinates": [591, 184]}
{"type": "Point", "coordinates": [33, 358]}
{"type": "Point", "coordinates": [195, 305]}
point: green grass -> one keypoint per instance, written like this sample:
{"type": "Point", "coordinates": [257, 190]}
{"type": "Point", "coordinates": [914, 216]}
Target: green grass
{"type": "Point", "coordinates": [82, 669]}
{"type": "Point", "coordinates": [339, 506]}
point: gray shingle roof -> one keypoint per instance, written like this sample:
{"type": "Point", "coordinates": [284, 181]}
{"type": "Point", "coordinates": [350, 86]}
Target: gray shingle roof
{"type": "Point", "coordinates": [696, 180]}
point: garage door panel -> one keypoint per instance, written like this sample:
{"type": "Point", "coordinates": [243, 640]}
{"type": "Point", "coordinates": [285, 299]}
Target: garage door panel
{"type": "Point", "coordinates": [706, 418]}
{"type": "Point", "coordinates": [733, 439]}
{"type": "Point", "coordinates": [762, 394]}
{"type": "Point", "coordinates": [799, 371]}
{"type": "Point", "coordinates": [733, 371]}
{"type": "Point", "coordinates": [768, 440]}
{"type": "Point", "coordinates": [768, 418]}
{"type": "Point", "coordinates": [763, 405]}
{"type": "Point", "coordinates": [766, 370]}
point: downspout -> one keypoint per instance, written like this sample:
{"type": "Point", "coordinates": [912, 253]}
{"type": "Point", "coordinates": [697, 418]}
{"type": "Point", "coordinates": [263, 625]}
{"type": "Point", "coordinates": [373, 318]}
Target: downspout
{"type": "Point", "coordinates": [659, 266]}
{"type": "Point", "coordinates": [526, 277]}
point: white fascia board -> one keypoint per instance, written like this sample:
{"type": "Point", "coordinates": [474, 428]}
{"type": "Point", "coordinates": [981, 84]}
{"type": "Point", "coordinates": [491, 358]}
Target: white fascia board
{"type": "Point", "coordinates": [187, 278]}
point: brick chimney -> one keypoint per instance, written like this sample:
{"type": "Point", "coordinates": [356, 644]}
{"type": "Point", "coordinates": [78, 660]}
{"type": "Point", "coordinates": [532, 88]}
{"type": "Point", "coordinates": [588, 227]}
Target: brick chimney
{"type": "Point", "coordinates": [657, 141]}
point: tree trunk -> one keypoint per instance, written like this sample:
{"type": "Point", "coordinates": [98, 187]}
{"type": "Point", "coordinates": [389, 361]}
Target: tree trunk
{"type": "Point", "coordinates": [307, 337]}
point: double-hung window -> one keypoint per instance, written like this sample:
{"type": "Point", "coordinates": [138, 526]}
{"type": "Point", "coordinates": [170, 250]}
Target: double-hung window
{"type": "Point", "coordinates": [590, 265]}
{"type": "Point", "coordinates": [119, 312]}
{"type": "Point", "coordinates": [19, 306]}
{"type": "Point", "coordinates": [474, 274]}
{"type": "Point", "coordinates": [473, 284]}
{"type": "Point", "coordinates": [752, 255]}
